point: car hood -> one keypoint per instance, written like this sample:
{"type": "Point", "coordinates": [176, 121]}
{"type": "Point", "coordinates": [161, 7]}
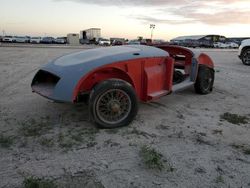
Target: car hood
{"type": "Point", "coordinates": [87, 60]}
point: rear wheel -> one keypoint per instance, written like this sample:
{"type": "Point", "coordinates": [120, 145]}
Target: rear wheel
{"type": "Point", "coordinates": [113, 103]}
{"type": "Point", "coordinates": [246, 57]}
{"type": "Point", "coordinates": [205, 80]}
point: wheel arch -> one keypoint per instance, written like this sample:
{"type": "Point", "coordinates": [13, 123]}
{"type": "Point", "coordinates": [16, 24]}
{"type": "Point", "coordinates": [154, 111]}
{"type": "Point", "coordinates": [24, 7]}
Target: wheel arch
{"type": "Point", "coordinates": [205, 60]}
{"type": "Point", "coordinates": [86, 83]}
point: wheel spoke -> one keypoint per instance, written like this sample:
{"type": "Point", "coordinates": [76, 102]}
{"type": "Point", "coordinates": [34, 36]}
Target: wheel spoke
{"type": "Point", "coordinates": [113, 106]}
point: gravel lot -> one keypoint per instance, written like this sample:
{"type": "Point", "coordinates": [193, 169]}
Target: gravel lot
{"type": "Point", "coordinates": [195, 146]}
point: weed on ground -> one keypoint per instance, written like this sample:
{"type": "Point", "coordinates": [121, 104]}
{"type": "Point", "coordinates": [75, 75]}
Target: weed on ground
{"type": "Point", "coordinates": [242, 147]}
{"type": "Point", "coordinates": [6, 141]}
{"type": "Point", "coordinates": [151, 158]}
{"type": "Point", "coordinates": [34, 127]}
{"type": "Point", "coordinates": [47, 142]}
{"type": "Point", "coordinates": [138, 132]}
{"type": "Point", "coordinates": [234, 118]}
{"type": "Point", "coordinates": [77, 137]}
{"type": "Point", "coordinates": [34, 182]}
{"type": "Point", "coordinates": [217, 131]}
{"type": "Point", "coordinates": [220, 179]}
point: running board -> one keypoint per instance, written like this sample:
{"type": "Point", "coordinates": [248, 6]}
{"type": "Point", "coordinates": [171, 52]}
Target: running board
{"type": "Point", "coordinates": [183, 85]}
{"type": "Point", "coordinates": [158, 94]}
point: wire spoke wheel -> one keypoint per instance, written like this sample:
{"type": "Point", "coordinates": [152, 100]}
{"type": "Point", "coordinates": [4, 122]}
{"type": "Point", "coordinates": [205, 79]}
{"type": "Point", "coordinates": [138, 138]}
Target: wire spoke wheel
{"type": "Point", "coordinates": [113, 103]}
{"type": "Point", "coordinates": [113, 106]}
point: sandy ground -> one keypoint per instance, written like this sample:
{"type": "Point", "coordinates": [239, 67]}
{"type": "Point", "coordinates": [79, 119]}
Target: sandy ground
{"type": "Point", "coordinates": [186, 128]}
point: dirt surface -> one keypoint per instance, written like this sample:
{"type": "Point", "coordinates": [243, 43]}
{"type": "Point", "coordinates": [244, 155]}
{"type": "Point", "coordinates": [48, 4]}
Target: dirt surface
{"type": "Point", "coordinates": [43, 139]}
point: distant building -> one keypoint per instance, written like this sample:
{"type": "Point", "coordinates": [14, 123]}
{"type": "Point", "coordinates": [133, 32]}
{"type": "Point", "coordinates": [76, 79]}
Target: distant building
{"type": "Point", "coordinates": [198, 40]}
{"type": "Point", "coordinates": [73, 39]}
{"type": "Point", "coordinates": [90, 34]}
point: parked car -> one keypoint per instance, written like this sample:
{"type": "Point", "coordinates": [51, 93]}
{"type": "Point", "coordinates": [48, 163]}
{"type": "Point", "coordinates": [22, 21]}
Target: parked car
{"type": "Point", "coordinates": [60, 40]}
{"type": "Point", "coordinates": [159, 41]}
{"type": "Point", "coordinates": [146, 42]}
{"type": "Point", "coordinates": [28, 38]}
{"type": "Point", "coordinates": [7, 39]}
{"type": "Point", "coordinates": [133, 42]}
{"type": "Point", "coordinates": [35, 40]}
{"type": "Point", "coordinates": [114, 79]}
{"type": "Point", "coordinates": [104, 42]}
{"type": "Point", "coordinates": [47, 40]}
{"type": "Point", "coordinates": [117, 43]}
{"type": "Point", "coordinates": [20, 39]}
{"type": "Point", "coordinates": [220, 45]}
{"type": "Point", "coordinates": [205, 44]}
{"type": "Point", "coordinates": [244, 52]}
{"type": "Point", "coordinates": [232, 45]}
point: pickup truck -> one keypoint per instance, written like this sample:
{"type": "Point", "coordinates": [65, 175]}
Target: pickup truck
{"type": "Point", "coordinates": [244, 52]}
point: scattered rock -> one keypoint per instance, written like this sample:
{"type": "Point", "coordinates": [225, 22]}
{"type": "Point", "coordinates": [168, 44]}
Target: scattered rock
{"type": "Point", "coordinates": [200, 170]}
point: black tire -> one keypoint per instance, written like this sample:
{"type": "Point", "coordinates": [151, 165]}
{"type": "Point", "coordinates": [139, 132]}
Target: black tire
{"type": "Point", "coordinates": [113, 103]}
{"type": "Point", "coordinates": [178, 77]}
{"type": "Point", "coordinates": [246, 57]}
{"type": "Point", "coordinates": [205, 80]}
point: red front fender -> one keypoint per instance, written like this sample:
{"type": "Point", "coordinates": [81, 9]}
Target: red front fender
{"type": "Point", "coordinates": [204, 59]}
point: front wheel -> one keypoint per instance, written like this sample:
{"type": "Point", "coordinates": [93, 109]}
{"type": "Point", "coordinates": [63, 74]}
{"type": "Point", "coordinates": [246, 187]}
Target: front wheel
{"type": "Point", "coordinates": [205, 80]}
{"type": "Point", "coordinates": [246, 57]}
{"type": "Point", "coordinates": [113, 103]}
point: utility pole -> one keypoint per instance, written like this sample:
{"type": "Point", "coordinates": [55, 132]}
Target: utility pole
{"type": "Point", "coordinates": [152, 27]}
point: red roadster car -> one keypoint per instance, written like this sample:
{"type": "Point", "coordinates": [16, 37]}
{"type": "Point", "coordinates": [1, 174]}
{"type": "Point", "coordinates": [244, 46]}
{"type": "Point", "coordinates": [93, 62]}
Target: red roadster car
{"type": "Point", "coordinates": [113, 79]}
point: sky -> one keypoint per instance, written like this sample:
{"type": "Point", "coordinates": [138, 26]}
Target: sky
{"type": "Point", "coordinates": [126, 18]}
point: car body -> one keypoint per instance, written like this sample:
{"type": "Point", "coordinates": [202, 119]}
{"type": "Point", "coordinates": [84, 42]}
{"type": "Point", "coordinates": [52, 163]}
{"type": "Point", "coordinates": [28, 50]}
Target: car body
{"type": "Point", "coordinates": [60, 40]}
{"type": "Point", "coordinates": [205, 44]}
{"type": "Point", "coordinates": [47, 40]}
{"type": "Point", "coordinates": [20, 39]}
{"type": "Point", "coordinates": [221, 45]}
{"type": "Point", "coordinates": [7, 39]}
{"type": "Point", "coordinates": [133, 42]}
{"type": "Point", "coordinates": [117, 43]}
{"type": "Point", "coordinates": [28, 39]}
{"type": "Point", "coordinates": [146, 42]}
{"type": "Point", "coordinates": [159, 42]}
{"type": "Point", "coordinates": [191, 43]}
{"type": "Point", "coordinates": [244, 52]}
{"type": "Point", "coordinates": [135, 72]}
{"type": "Point", "coordinates": [104, 42]}
{"type": "Point", "coordinates": [232, 45]}
{"type": "Point", "coordinates": [36, 40]}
